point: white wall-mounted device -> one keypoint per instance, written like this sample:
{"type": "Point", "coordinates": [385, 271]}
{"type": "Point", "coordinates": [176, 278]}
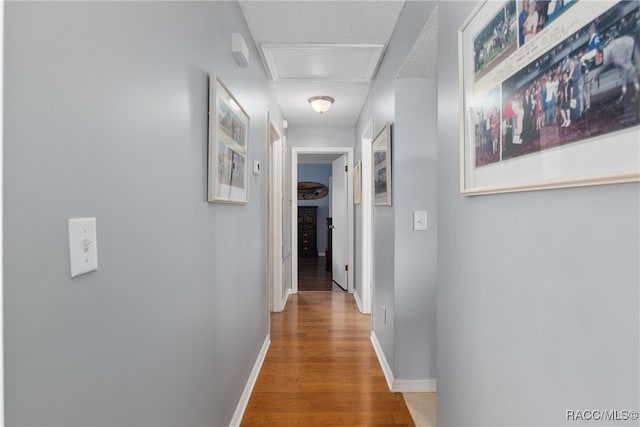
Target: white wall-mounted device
{"type": "Point", "coordinates": [420, 220]}
{"type": "Point", "coordinates": [83, 250]}
{"type": "Point", "coordinates": [239, 49]}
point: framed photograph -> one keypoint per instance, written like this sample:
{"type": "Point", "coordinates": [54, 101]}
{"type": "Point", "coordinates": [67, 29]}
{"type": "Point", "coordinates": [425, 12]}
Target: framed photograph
{"type": "Point", "coordinates": [357, 183]}
{"type": "Point", "coordinates": [381, 167]}
{"type": "Point", "coordinates": [228, 146]}
{"type": "Point", "coordinates": [549, 95]}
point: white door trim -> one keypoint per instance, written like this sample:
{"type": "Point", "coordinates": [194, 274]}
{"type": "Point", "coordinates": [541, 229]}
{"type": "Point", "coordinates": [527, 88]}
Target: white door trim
{"type": "Point", "coordinates": [366, 231]}
{"type": "Point", "coordinates": [1, 216]}
{"type": "Point", "coordinates": [294, 207]}
{"type": "Point", "coordinates": [276, 285]}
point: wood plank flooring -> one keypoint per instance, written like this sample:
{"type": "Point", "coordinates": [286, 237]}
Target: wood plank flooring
{"type": "Point", "coordinates": [312, 275]}
{"type": "Point", "coordinates": [322, 370]}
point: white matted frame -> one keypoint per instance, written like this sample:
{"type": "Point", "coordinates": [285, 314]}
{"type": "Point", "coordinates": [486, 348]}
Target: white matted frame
{"type": "Point", "coordinates": [228, 146]}
{"type": "Point", "coordinates": [586, 151]}
{"type": "Point", "coordinates": [381, 167]}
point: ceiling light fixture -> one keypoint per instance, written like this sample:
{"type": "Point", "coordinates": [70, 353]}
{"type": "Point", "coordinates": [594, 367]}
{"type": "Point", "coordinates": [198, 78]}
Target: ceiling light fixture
{"type": "Point", "coordinates": [321, 104]}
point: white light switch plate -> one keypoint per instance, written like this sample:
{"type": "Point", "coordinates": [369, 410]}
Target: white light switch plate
{"type": "Point", "coordinates": [83, 251]}
{"type": "Point", "coordinates": [420, 220]}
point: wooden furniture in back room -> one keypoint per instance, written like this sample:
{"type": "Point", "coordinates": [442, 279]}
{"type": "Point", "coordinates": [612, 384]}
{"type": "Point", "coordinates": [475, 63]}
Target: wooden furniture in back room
{"type": "Point", "coordinates": [307, 231]}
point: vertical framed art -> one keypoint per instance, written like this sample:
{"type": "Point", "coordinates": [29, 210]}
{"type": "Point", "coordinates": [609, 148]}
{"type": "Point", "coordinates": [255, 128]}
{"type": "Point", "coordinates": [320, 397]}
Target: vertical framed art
{"type": "Point", "coordinates": [381, 167]}
{"type": "Point", "coordinates": [357, 183]}
{"type": "Point", "coordinates": [228, 160]}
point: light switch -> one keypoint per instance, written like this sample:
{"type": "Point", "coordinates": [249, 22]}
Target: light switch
{"type": "Point", "coordinates": [83, 251]}
{"type": "Point", "coordinates": [419, 220]}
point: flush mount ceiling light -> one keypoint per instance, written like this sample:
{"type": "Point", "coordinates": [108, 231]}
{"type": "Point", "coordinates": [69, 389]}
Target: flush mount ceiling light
{"type": "Point", "coordinates": [320, 104]}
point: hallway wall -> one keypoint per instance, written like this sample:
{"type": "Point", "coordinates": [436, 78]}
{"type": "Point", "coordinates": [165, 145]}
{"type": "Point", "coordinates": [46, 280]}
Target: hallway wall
{"type": "Point", "coordinates": [106, 115]}
{"type": "Point", "coordinates": [538, 296]}
{"type": "Point", "coordinates": [397, 290]}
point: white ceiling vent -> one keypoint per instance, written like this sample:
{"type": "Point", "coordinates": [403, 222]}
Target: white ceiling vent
{"type": "Point", "coordinates": [333, 62]}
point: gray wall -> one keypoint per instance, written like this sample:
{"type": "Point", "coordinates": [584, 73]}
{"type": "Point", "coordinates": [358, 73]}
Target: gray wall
{"type": "Point", "coordinates": [106, 116]}
{"type": "Point", "coordinates": [538, 300]}
{"type": "Point", "coordinates": [381, 105]}
{"type": "Point", "coordinates": [414, 157]}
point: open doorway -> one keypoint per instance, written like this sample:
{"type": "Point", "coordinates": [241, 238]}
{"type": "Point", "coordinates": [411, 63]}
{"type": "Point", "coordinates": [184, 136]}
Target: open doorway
{"type": "Point", "coordinates": [322, 237]}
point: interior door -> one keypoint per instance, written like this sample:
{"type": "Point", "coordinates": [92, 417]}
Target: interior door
{"type": "Point", "coordinates": [339, 218]}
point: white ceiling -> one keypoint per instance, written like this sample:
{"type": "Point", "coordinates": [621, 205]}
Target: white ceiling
{"type": "Point", "coordinates": [279, 23]}
{"type": "Point", "coordinates": [355, 63]}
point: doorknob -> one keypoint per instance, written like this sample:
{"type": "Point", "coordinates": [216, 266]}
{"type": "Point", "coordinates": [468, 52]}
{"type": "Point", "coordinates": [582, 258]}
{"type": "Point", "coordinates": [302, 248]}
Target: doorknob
{"type": "Point", "coordinates": [332, 227]}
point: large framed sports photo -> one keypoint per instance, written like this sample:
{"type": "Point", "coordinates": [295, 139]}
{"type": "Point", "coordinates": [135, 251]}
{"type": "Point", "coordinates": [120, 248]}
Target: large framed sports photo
{"type": "Point", "coordinates": [549, 95]}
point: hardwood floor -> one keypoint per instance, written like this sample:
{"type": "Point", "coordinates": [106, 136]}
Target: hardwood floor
{"type": "Point", "coordinates": [321, 369]}
{"type": "Point", "coordinates": [312, 275]}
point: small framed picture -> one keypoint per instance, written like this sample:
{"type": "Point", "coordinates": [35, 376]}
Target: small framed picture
{"type": "Point", "coordinates": [381, 167]}
{"type": "Point", "coordinates": [357, 183]}
{"type": "Point", "coordinates": [228, 146]}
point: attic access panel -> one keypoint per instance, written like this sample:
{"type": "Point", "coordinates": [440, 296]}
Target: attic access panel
{"type": "Point", "coordinates": [333, 62]}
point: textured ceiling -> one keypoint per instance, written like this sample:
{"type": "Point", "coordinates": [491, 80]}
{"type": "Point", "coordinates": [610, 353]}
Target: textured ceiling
{"type": "Point", "coordinates": [422, 61]}
{"type": "Point", "coordinates": [298, 22]}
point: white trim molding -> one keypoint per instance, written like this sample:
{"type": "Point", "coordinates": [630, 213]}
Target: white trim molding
{"type": "Point", "coordinates": [386, 369]}
{"type": "Point", "coordinates": [251, 382]}
{"type": "Point", "coordinates": [348, 151]}
{"type": "Point", "coordinates": [356, 296]}
{"type": "Point", "coordinates": [415, 386]}
{"type": "Point", "coordinates": [400, 386]}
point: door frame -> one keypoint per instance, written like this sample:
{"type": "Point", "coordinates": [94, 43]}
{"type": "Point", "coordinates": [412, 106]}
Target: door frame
{"type": "Point", "coordinates": [1, 215]}
{"type": "Point", "coordinates": [276, 289]}
{"type": "Point", "coordinates": [294, 207]}
{"type": "Point", "coordinates": [364, 294]}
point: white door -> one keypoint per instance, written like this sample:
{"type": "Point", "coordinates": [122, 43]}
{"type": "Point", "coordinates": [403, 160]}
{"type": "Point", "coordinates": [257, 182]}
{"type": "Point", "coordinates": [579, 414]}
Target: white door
{"type": "Point", "coordinates": [339, 215]}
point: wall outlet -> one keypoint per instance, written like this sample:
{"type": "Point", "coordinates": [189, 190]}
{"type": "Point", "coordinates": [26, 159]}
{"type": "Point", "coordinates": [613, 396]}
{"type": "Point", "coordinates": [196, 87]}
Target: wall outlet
{"type": "Point", "coordinates": [384, 314]}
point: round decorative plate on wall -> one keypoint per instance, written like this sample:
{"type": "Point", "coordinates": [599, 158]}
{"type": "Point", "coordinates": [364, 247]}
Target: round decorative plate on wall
{"type": "Point", "coordinates": [311, 190]}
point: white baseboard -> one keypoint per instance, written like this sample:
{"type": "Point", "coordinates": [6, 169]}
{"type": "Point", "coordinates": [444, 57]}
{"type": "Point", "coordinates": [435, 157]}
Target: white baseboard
{"type": "Point", "coordinates": [400, 386]}
{"type": "Point", "coordinates": [358, 302]}
{"type": "Point", "coordinates": [386, 369]}
{"type": "Point", "coordinates": [415, 386]}
{"type": "Point", "coordinates": [248, 388]}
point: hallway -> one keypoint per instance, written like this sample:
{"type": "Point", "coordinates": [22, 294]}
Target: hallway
{"type": "Point", "coordinates": [322, 370]}
{"type": "Point", "coordinates": [313, 276]}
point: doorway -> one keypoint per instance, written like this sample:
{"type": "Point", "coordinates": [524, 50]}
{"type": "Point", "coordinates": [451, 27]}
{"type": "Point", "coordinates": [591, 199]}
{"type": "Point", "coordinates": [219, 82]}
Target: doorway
{"type": "Point", "coordinates": [341, 159]}
{"type": "Point", "coordinates": [277, 290]}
